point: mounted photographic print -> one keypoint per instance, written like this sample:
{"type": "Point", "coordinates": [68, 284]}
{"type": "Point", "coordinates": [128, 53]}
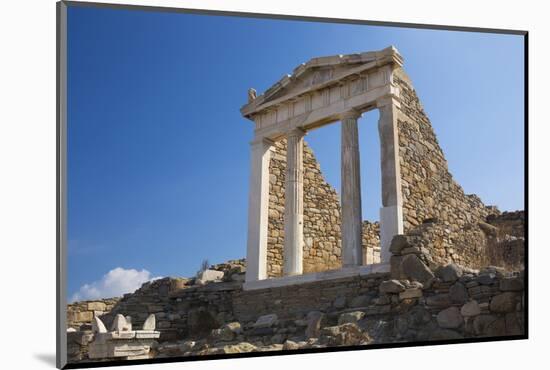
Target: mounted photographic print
{"type": "Point", "coordinates": [240, 185]}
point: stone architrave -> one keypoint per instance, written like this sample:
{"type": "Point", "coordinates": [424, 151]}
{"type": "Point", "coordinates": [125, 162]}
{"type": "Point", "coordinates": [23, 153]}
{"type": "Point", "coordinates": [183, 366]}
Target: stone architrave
{"type": "Point", "coordinates": [352, 224]}
{"type": "Point", "coordinates": [294, 203]}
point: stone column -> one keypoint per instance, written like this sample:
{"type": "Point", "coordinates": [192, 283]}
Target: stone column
{"type": "Point", "coordinates": [391, 213]}
{"type": "Point", "coordinates": [352, 254]}
{"type": "Point", "coordinates": [258, 203]}
{"type": "Point", "coordinates": [294, 203]}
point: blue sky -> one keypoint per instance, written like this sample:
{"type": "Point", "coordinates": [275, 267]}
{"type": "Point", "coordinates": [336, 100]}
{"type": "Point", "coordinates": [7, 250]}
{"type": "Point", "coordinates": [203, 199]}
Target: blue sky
{"type": "Point", "coordinates": [158, 154]}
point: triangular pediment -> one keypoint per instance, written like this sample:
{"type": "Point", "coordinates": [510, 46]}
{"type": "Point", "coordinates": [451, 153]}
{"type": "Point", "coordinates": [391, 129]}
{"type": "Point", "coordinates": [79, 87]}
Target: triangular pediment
{"type": "Point", "coordinates": [318, 73]}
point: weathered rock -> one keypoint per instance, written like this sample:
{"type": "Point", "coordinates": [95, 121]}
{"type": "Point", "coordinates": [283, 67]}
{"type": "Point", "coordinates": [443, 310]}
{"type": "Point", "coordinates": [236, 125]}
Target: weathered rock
{"type": "Point", "coordinates": [239, 348]}
{"type": "Point", "coordinates": [344, 335]}
{"type": "Point", "coordinates": [482, 322]}
{"type": "Point", "coordinates": [289, 345]}
{"type": "Point", "coordinates": [486, 278]}
{"type": "Point", "coordinates": [439, 300]}
{"type": "Point", "coordinates": [411, 293]}
{"type": "Point", "coordinates": [503, 303]}
{"type": "Point", "coordinates": [314, 319]}
{"type": "Point", "coordinates": [350, 317]}
{"type": "Point", "coordinates": [470, 309]}
{"type": "Point", "coordinates": [449, 318]}
{"type": "Point", "coordinates": [415, 269]}
{"type": "Point", "coordinates": [458, 293]}
{"type": "Point", "coordinates": [266, 321]}
{"type": "Point", "coordinates": [360, 301]}
{"type": "Point", "coordinates": [398, 243]}
{"type": "Point", "coordinates": [339, 302]}
{"type": "Point", "coordinates": [391, 286]}
{"type": "Point", "coordinates": [228, 332]}
{"type": "Point", "coordinates": [449, 273]}
{"type": "Point", "coordinates": [511, 285]}
{"type": "Point", "coordinates": [96, 306]}
{"type": "Point", "coordinates": [207, 276]}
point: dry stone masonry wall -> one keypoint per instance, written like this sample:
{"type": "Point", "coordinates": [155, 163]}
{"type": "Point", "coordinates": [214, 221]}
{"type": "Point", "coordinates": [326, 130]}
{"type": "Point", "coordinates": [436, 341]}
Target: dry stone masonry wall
{"type": "Point", "coordinates": [412, 303]}
{"type": "Point", "coordinates": [322, 235]}
{"type": "Point", "coordinates": [430, 194]}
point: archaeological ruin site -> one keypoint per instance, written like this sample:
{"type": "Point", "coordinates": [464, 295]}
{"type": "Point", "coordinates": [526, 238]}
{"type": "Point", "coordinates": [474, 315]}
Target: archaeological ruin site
{"type": "Point", "coordinates": [439, 264]}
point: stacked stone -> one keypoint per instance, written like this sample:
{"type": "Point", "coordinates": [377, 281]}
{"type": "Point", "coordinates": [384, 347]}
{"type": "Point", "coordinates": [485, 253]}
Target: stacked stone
{"type": "Point", "coordinates": [418, 300]}
{"type": "Point", "coordinates": [82, 313]}
{"type": "Point", "coordinates": [371, 242]}
{"type": "Point", "coordinates": [428, 188]}
{"type": "Point", "coordinates": [322, 235]}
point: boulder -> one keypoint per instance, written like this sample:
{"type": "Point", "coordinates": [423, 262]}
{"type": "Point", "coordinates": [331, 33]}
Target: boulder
{"type": "Point", "coordinates": [449, 273]}
{"type": "Point", "coordinates": [449, 318]}
{"type": "Point", "coordinates": [391, 286]}
{"type": "Point", "coordinates": [411, 293]}
{"type": "Point", "coordinates": [414, 269]}
{"type": "Point", "coordinates": [458, 293]}
{"type": "Point", "coordinates": [470, 309]}
{"type": "Point", "coordinates": [207, 276]}
{"type": "Point", "coordinates": [398, 243]}
{"type": "Point", "coordinates": [266, 321]}
{"type": "Point", "coordinates": [503, 303]}
{"type": "Point", "coordinates": [350, 317]}
{"type": "Point", "coordinates": [344, 335]}
{"type": "Point", "coordinates": [314, 319]}
{"type": "Point", "coordinates": [511, 285]}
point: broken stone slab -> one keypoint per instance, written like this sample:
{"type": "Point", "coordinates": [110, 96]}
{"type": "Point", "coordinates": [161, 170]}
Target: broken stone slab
{"type": "Point", "coordinates": [207, 276]}
{"type": "Point", "coordinates": [314, 319]}
{"type": "Point", "coordinates": [449, 273]}
{"type": "Point", "coordinates": [391, 286]}
{"type": "Point", "coordinates": [350, 317]}
{"type": "Point", "coordinates": [410, 293]}
{"type": "Point", "coordinates": [414, 269]}
{"type": "Point", "coordinates": [266, 321]}
{"type": "Point", "coordinates": [398, 243]}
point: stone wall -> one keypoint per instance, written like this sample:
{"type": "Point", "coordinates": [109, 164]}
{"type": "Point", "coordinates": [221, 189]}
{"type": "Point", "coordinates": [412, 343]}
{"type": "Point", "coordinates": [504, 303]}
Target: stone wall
{"type": "Point", "coordinates": [322, 238]}
{"type": "Point", "coordinates": [430, 195]}
{"type": "Point", "coordinates": [446, 303]}
{"type": "Point", "coordinates": [79, 313]}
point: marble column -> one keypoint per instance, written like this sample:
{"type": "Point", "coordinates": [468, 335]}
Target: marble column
{"type": "Point", "coordinates": [391, 213]}
{"type": "Point", "coordinates": [294, 204]}
{"type": "Point", "coordinates": [352, 254]}
{"type": "Point", "coordinates": [258, 203]}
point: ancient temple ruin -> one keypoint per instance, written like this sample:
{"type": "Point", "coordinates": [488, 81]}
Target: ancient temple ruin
{"type": "Point", "coordinates": [416, 184]}
{"type": "Point", "coordinates": [440, 265]}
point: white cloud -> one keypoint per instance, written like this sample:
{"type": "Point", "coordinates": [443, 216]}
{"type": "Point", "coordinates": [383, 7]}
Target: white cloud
{"type": "Point", "coordinates": [115, 283]}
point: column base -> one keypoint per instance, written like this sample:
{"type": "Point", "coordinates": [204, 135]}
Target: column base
{"type": "Point", "coordinates": [391, 224]}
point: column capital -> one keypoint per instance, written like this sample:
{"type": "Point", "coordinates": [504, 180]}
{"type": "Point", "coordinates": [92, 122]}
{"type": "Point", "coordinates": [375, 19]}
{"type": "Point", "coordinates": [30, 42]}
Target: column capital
{"type": "Point", "coordinates": [388, 100]}
{"type": "Point", "coordinates": [261, 140]}
{"type": "Point", "coordinates": [351, 113]}
{"type": "Point", "coordinates": [296, 132]}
